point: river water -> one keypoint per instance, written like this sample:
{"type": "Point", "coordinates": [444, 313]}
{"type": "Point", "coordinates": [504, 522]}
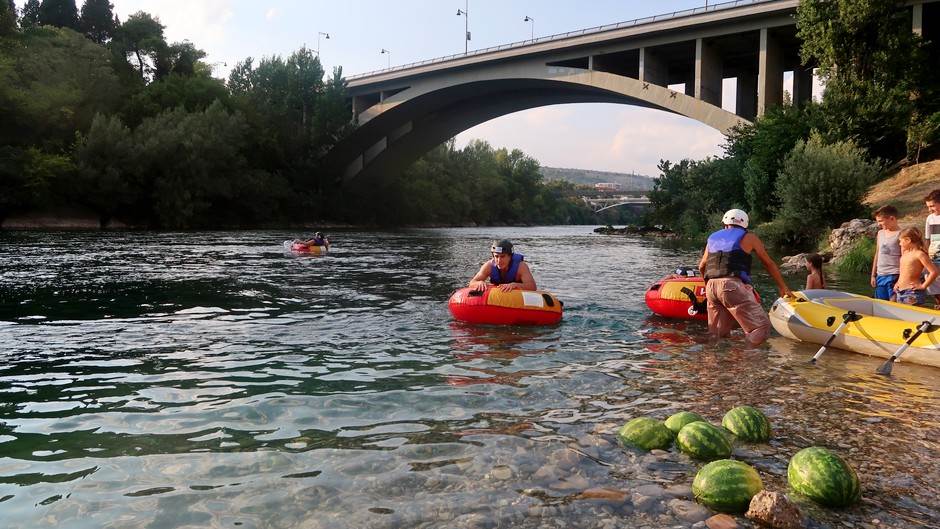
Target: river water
{"type": "Point", "coordinates": [209, 380]}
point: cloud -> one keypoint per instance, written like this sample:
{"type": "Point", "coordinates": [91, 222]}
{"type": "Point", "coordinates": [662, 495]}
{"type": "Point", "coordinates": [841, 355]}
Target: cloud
{"type": "Point", "coordinates": [603, 137]}
{"type": "Point", "coordinates": [203, 22]}
{"type": "Point", "coordinates": [272, 13]}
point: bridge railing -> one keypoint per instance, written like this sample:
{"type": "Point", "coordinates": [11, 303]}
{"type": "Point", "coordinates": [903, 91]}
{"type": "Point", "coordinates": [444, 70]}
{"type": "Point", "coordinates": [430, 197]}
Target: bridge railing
{"type": "Point", "coordinates": [561, 36]}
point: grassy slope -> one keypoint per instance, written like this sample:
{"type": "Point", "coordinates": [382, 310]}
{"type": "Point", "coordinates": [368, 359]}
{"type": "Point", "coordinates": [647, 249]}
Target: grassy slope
{"type": "Point", "coordinates": [906, 191]}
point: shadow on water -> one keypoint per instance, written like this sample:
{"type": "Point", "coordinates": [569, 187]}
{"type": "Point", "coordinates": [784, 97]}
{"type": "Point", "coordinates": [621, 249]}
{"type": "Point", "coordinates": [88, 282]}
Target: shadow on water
{"type": "Point", "coordinates": [210, 379]}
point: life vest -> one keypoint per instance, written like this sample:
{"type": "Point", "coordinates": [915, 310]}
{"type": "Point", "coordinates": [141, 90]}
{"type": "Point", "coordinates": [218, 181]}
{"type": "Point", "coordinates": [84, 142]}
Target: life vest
{"type": "Point", "coordinates": [725, 257]}
{"type": "Point", "coordinates": [496, 277]}
{"type": "Point", "coordinates": [318, 241]}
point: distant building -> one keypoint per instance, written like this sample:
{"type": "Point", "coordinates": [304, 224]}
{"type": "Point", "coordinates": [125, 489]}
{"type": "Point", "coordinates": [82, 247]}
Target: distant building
{"type": "Point", "coordinates": [607, 186]}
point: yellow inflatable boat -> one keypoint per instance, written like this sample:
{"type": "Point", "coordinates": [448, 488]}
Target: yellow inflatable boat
{"type": "Point", "coordinates": [876, 327]}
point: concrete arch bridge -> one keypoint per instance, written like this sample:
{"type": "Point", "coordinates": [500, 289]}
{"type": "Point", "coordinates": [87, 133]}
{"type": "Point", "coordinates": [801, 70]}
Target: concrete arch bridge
{"type": "Point", "coordinates": [405, 111]}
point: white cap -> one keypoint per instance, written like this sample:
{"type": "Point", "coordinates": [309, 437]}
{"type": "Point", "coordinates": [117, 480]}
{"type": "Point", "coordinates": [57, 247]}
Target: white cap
{"type": "Point", "coordinates": [735, 217]}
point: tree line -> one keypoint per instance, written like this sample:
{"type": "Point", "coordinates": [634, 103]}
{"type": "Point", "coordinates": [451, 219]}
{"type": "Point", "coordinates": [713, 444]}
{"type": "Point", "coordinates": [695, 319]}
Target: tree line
{"type": "Point", "coordinates": [806, 168]}
{"type": "Point", "coordinates": [109, 116]}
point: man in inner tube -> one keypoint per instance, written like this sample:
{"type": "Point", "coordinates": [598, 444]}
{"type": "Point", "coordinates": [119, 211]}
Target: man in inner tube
{"type": "Point", "coordinates": [726, 266]}
{"type": "Point", "coordinates": [506, 269]}
{"type": "Point", "coordinates": [318, 240]}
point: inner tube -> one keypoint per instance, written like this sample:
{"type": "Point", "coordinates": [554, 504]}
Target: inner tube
{"type": "Point", "coordinates": [680, 297]}
{"type": "Point", "coordinates": [495, 307]}
{"type": "Point", "coordinates": [299, 247]}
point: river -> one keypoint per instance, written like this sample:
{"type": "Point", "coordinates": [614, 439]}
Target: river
{"type": "Point", "coordinates": [170, 380]}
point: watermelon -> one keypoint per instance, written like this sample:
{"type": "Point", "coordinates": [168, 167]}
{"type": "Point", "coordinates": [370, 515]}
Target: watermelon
{"type": "Point", "coordinates": [703, 440]}
{"type": "Point", "coordinates": [748, 424]}
{"type": "Point", "coordinates": [677, 421]}
{"type": "Point", "coordinates": [726, 485]}
{"type": "Point", "coordinates": [824, 477]}
{"type": "Point", "coordinates": [646, 433]}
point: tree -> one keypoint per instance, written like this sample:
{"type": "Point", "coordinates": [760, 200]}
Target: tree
{"type": "Point", "coordinates": [878, 77]}
{"type": "Point", "coordinates": [821, 185]}
{"type": "Point", "coordinates": [97, 21]}
{"type": "Point", "coordinates": [59, 13]}
{"type": "Point", "coordinates": [30, 18]}
{"type": "Point", "coordinates": [7, 18]}
{"type": "Point", "coordinates": [142, 38]}
{"type": "Point", "coordinates": [178, 58]}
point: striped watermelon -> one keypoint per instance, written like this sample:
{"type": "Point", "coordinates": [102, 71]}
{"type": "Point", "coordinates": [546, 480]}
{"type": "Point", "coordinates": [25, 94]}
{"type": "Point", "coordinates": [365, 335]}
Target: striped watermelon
{"type": "Point", "coordinates": [748, 424]}
{"type": "Point", "coordinates": [726, 485]}
{"type": "Point", "coordinates": [824, 477]}
{"type": "Point", "coordinates": [677, 421]}
{"type": "Point", "coordinates": [646, 433]}
{"type": "Point", "coordinates": [703, 440]}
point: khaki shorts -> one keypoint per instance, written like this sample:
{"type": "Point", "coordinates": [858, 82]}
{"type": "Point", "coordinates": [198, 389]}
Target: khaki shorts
{"type": "Point", "coordinates": [731, 300]}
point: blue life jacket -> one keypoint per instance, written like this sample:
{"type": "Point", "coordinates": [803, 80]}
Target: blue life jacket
{"type": "Point", "coordinates": [495, 275]}
{"type": "Point", "coordinates": [318, 241]}
{"type": "Point", "coordinates": [725, 257]}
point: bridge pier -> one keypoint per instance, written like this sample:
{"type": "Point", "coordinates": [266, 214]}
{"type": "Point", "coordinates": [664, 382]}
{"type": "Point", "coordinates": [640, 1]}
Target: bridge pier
{"type": "Point", "coordinates": [802, 84]}
{"type": "Point", "coordinates": [746, 96]}
{"type": "Point", "coordinates": [769, 73]}
{"type": "Point", "coordinates": [652, 67]}
{"type": "Point", "coordinates": [708, 73]}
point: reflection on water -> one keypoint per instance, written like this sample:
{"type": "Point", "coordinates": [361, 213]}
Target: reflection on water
{"type": "Point", "coordinates": [210, 379]}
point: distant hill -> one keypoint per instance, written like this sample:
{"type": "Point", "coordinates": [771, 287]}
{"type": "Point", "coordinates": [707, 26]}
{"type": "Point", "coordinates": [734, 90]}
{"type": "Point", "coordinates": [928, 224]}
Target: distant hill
{"type": "Point", "coordinates": [629, 182]}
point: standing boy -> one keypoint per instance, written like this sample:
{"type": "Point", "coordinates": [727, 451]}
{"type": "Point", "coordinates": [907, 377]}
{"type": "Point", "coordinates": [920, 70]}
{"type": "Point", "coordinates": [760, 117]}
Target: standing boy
{"type": "Point", "coordinates": [886, 262]}
{"type": "Point", "coordinates": [932, 236]}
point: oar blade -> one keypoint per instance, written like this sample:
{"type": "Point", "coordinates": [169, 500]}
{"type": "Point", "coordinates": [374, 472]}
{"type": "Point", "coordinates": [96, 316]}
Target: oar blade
{"type": "Point", "coordinates": [885, 368]}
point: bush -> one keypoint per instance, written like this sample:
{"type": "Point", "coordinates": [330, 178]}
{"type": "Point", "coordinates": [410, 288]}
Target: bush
{"type": "Point", "coordinates": [859, 258]}
{"type": "Point", "coordinates": [820, 186]}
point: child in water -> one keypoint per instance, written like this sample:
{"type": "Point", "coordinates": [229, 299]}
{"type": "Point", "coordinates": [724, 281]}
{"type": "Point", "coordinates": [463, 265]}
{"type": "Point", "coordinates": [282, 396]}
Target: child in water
{"type": "Point", "coordinates": [911, 290]}
{"type": "Point", "coordinates": [815, 278]}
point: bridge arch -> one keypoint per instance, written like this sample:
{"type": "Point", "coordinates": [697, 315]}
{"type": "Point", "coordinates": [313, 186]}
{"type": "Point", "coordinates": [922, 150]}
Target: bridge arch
{"type": "Point", "coordinates": [397, 130]}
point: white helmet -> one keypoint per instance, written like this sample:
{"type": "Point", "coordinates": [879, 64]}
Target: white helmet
{"type": "Point", "coordinates": [735, 217]}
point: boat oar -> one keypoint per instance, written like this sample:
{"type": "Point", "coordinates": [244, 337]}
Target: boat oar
{"type": "Point", "coordinates": [846, 318]}
{"type": "Point", "coordinates": [885, 368]}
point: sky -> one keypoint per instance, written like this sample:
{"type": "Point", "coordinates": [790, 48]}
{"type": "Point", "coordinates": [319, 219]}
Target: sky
{"type": "Point", "coordinates": [605, 137]}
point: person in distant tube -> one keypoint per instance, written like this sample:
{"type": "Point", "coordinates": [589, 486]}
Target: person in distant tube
{"type": "Point", "coordinates": [506, 270]}
{"type": "Point", "coordinates": [318, 240]}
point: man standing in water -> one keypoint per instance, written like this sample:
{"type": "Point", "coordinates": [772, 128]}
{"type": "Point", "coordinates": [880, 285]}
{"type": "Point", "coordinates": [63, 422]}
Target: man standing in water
{"type": "Point", "coordinates": [726, 266]}
{"type": "Point", "coordinates": [506, 270]}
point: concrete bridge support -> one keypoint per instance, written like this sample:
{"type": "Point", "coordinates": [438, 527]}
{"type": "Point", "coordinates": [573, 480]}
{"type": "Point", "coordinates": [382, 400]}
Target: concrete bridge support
{"type": "Point", "coordinates": [652, 68]}
{"type": "Point", "coordinates": [708, 73]}
{"type": "Point", "coordinates": [770, 72]}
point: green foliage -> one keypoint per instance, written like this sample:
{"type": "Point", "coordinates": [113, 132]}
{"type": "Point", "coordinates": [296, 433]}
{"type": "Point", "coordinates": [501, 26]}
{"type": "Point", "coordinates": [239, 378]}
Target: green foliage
{"type": "Point", "coordinates": [821, 185]}
{"type": "Point", "coordinates": [59, 13]}
{"type": "Point", "coordinates": [476, 184]}
{"type": "Point", "coordinates": [52, 83]}
{"type": "Point", "coordinates": [687, 196]}
{"type": "Point", "coordinates": [193, 93]}
{"type": "Point", "coordinates": [97, 20]}
{"type": "Point", "coordinates": [878, 73]}
{"type": "Point", "coordinates": [7, 18]}
{"type": "Point", "coordinates": [141, 37]}
{"type": "Point", "coordinates": [104, 158]}
{"type": "Point", "coordinates": [30, 18]}
{"type": "Point", "coordinates": [858, 259]}
{"type": "Point", "coordinates": [761, 147]}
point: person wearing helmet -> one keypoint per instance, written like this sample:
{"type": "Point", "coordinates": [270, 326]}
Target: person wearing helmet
{"type": "Point", "coordinates": [726, 266]}
{"type": "Point", "coordinates": [506, 270]}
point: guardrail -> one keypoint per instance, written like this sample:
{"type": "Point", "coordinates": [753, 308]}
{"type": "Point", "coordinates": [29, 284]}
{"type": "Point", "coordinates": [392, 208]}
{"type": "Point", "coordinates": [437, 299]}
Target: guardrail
{"type": "Point", "coordinates": [561, 36]}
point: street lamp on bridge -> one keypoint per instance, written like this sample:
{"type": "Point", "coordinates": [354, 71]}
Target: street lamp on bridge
{"type": "Point", "coordinates": [321, 34]}
{"type": "Point", "coordinates": [466, 25]}
{"type": "Point", "coordinates": [387, 52]}
{"type": "Point", "coordinates": [532, 20]}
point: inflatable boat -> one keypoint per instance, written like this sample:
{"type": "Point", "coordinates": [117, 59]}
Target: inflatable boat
{"type": "Point", "coordinates": [495, 307]}
{"type": "Point", "coordinates": [875, 327]}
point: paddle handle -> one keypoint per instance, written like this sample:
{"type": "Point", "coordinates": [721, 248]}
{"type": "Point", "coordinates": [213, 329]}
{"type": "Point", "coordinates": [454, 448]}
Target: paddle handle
{"type": "Point", "coordinates": [822, 349]}
{"type": "Point", "coordinates": [920, 330]}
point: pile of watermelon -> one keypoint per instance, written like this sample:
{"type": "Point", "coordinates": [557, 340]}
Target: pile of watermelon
{"type": "Point", "coordinates": [727, 485]}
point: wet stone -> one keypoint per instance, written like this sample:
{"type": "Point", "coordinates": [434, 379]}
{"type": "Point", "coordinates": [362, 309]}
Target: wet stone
{"type": "Point", "coordinates": [501, 473]}
{"type": "Point", "coordinates": [653, 491]}
{"type": "Point", "coordinates": [721, 521]}
{"type": "Point", "coordinates": [688, 511]}
{"type": "Point", "coordinates": [679, 490]}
